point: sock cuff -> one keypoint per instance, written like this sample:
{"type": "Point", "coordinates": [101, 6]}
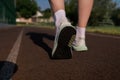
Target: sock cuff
{"type": "Point", "coordinates": [81, 28]}
{"type": "Point", "coordinates": [81, 32]}
{"type": "Point", "coordinates": [59, 13]}
{"type": "Point", "coordinates": [59, 17]}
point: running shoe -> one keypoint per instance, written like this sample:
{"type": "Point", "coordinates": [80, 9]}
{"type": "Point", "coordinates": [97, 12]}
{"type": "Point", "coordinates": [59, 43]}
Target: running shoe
{"type": "Point", "coordinates": [64, 38]}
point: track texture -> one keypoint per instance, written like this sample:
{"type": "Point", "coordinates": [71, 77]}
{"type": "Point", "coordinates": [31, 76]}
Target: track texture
{"type": "Point", "coordinates": [100, 62]}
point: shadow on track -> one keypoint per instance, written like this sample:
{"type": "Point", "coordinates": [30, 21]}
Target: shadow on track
{"type": "Point", "coordinates": [37, 38]}
{"type": "Point", "coordinates": [7, 70]}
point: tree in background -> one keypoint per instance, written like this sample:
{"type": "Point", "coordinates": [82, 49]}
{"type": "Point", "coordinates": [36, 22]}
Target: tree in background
{"type": "Point", "coordinates": [46, 13]}
{"type": "Point", "coordinates": [101, 13]}
{"type": "Point", "coordinates": [116, 16]}
{"type": "Point", "coordinates": [26, 8]}
{"type": "Point", "coordinates": [72, 10]}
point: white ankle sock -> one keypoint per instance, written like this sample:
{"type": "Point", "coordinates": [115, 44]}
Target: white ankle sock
{"type": "Point", "coordinates": [59, 16]}
{"type": "Point", "coordinates": [80, 33]}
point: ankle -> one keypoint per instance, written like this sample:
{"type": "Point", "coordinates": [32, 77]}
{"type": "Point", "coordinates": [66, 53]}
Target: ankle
{"type": "Point", "coordinates": [80, 33]}
{"type": "Point", "coordinates": [59, 16]}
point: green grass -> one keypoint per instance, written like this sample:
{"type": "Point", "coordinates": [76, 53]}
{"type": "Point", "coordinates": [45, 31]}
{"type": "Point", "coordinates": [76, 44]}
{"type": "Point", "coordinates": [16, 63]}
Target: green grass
{"type": "Point", "coordinates": [105, 29]}
{"type": "Point", "coordinates": [98, 29]}
{"type": "Point", "coordinates": [38, 25]}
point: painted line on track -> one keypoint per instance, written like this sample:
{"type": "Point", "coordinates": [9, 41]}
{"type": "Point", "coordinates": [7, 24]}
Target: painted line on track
{"type": "Point", "coordinates": [9, 66]}
{"type": "Point", "coordinates": [12, 57]}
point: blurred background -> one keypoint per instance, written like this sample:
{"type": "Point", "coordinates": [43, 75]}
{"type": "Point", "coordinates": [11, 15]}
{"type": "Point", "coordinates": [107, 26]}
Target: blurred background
{"type": "Point", "coordinates": [105, 14]}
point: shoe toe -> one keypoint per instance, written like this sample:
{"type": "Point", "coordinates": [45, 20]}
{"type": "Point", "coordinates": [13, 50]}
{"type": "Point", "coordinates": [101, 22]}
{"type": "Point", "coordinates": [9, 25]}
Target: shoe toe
{"type": "Point", "coordinates": [80, 48]}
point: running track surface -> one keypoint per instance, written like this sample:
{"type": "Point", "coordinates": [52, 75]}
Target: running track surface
{"type": "Point", "coordinates": [24, 55]}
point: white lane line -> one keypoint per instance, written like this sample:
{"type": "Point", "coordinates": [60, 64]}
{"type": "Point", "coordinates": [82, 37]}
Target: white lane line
{"type": "Point", "coordinates": [9, 66]}
{"type": "Point", "coordinates": [12, 57]}
{"type": "Point", "coordinates": [102, 35]}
